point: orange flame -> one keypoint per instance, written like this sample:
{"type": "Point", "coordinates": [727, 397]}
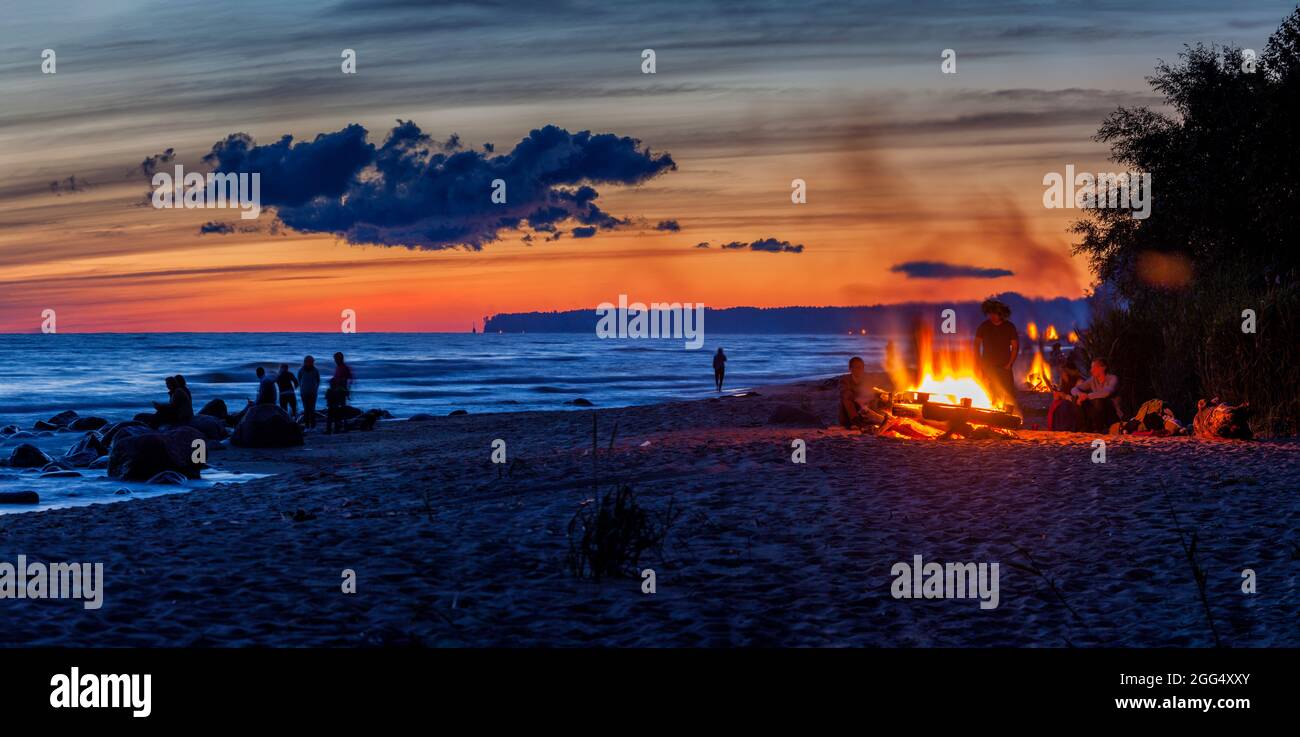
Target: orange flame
{"type": "Point", "coordinates": [1073, 337]}
{"type": "Point", "coordinates": [947, 372]}
{"type": "Point", "coordinates": [1031, 329]}
{"type": "Point", "coordinates": [1051, 333]}
{"type": "Point", "coordinates": [1036, 378]}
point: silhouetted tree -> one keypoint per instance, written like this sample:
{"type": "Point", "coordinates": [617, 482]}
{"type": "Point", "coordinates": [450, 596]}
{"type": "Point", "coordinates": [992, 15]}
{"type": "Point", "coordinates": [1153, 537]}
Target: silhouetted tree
{"type": "Point", "coordinates": [1224, 159]}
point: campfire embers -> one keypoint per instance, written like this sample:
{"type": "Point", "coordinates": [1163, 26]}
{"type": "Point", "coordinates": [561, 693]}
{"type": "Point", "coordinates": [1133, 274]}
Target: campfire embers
{"type": "Point", "coordinates": [923, 405]}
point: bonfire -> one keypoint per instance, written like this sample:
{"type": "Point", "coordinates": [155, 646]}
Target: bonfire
{"type": "Point", "coordinates": [945, 395]}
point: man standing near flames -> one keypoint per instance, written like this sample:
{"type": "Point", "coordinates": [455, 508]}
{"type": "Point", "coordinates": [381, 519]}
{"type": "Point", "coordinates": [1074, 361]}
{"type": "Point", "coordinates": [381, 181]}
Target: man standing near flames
{"type": "Point", "coordinates": [997, 344]}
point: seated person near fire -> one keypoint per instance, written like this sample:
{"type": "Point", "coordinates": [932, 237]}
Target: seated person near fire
{"type": "Point", "coordinates": [858, 397]}
{"type": "Point", "coordinates": [1096, 397]}
{"type": "Point", "coordinates": [1064, 413]}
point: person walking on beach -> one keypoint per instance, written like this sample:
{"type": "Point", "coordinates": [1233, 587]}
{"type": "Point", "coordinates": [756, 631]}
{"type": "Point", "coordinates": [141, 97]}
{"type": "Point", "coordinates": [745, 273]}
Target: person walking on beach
{"type": "Point", "coordinates": [719, 367]}
{"type": "Point", "coordinates": [265, 387]}
{"type": "Point", "coordinates": [286, 383]}
{"type": "Point", "coordinates": [308, 384]}
{"type": "Point", "coordinates": [336, 396]}
{"type": "Point", "coordinates": [997, 344]}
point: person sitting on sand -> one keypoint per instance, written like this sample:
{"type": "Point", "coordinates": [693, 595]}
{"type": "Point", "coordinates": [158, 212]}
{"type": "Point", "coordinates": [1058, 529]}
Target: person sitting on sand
{"type": "Point", "coordinates": [265, 387]}
{"type": "Point", "coordinates": [997, 344]}
{"type": "Point", "coordinates": [287, 382]}
{"type": "Point", "coordinates": [1063, 415]}
{"type": "Point", "coordinates": [719, 367]}
{"type": "Point", "coordinates": [182, 400]}
{"type": "Point", "coordinates": [1095, 396]}
{"type": "Point", "coordinates": [336, 396]}
{"type": "Point", "coordinates": [308, 384]}
{"type": "Point", "coordinates": [856, 398]}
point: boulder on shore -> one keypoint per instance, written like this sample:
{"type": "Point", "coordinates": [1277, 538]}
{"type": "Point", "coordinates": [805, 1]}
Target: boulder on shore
{"type": "Point", "coordinates": [209, 426]}
{"type": "Point", "coordinates": [126, 428]}
{"type": "Point", "coordinates": [19, 497]}
{"type": "Point", "coordinates": [83, 424]}
{"type": "Point", "coordinates": [141, 457]}
{"type": "Point", "coordinates": [62, 419]}
{"type": "Point", "coordinates": [366, 421]}
{"type": "Point", "coordinates": [266, 426]}
{"type": "Point", "coordinates": [216, 408]}
{"type": "Point", "coordinates": [26, 455]}
{"type": "Point", "coordinates": [85, 451]}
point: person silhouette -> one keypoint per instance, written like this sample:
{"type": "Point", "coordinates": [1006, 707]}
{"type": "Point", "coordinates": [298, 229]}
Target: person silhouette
{"type": "Point", "coordinates": [286, 383]}
{"type": "Point", "coordinates": [163, 413]}
{"type": "Point", "coordinates": [265, 387]}
{"type": "Point", "coordinates": [336, 396]}
{"type": "Point", "coordinates": [309, 384]}
{"type": "Point", "coordinates": [182, 400]}
{"type": "Point", "coordinates": [719, 368]}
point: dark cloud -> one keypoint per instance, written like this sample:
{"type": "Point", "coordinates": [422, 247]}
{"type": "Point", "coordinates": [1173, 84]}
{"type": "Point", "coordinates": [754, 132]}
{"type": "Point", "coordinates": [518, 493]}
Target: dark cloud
{"type": "Point", "coordinates": [217, 228]}
{"type": "Point", "coordinates": [670, 226]}
{"type": "Point", "coordinates": [151, 163]}
{"type": "Point", "coordinates": [72, 183]}
{"type": "Point", "coordinates": [412, 192]}
{"type": "Point", "coordinates": [943, 270]}
{"type": "Point", "coordinates": [772, 245]}
{"type": "Point", "coordinates": [762, 245]}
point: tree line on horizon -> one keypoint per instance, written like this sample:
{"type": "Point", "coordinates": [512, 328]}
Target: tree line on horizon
{"type": "Point", "coordinates": [893, 319]}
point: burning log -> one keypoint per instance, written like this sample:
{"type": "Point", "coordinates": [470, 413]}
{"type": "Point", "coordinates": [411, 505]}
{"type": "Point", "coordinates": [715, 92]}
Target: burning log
{"type": "Point", "coordinates": [922, 405]}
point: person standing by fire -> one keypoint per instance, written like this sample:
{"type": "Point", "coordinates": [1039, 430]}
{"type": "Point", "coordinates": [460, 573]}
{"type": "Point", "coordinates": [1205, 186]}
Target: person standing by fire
{"type": "Point", "coordinates": [997, 344]}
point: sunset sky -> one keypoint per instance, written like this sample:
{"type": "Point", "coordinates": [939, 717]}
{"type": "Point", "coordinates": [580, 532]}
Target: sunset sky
{"type": "Point", "coordinates": [902, 162]}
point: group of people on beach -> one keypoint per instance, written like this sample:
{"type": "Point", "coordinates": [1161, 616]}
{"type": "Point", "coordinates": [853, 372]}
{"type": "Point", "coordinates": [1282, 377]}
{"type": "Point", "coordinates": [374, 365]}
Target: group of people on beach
{"type": "Point", "coordinates": [1079, 404]}
{"type": "Point", "coordinates": [178, 408]}
{"type": "Point", "coordinates": [280, 388]}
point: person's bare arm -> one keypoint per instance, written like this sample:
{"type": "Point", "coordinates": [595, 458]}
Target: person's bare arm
{"type": "Point", "coordinates": [1015, 352]}
{"type": "Point", "coordinates": [847, 400]}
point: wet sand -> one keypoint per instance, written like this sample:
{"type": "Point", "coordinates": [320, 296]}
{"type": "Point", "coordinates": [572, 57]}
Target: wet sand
{"type": "Point", "coordinates": [452, 550]}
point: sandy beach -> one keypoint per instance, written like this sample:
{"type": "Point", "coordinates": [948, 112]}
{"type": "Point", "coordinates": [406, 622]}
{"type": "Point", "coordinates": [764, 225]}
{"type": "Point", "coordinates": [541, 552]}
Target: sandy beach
{"type": "Point", "coordinates": [450, 549]}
